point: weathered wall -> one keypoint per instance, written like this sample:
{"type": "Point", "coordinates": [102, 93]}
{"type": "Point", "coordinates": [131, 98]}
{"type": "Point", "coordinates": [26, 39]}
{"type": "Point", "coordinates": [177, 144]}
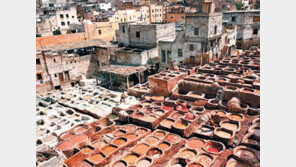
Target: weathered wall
{"type": "Point", "coordinates": [175, 17]}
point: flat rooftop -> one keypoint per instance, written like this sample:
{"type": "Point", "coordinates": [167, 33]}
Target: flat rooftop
{"type": "Point", "coordinates": [73, 45]}
{"type": "Point", "coordinates": [123, 70]}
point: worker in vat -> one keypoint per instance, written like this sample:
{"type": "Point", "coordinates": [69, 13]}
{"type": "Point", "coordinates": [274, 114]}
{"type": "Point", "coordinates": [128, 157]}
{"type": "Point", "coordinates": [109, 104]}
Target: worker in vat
{"type": "Point", "coordinates": [122, 97]}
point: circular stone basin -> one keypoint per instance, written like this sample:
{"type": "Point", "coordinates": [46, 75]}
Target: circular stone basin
{"type": "Point", "coordinates": [86, 150]}
{"type": "Point", "coordinates": [164, 146]}
{"type": "Point", "coordinates": [213, 147]}
{"type": "Point", "coordinates": [166, 107]}
{"type": "Point", "coordinates": [131, 136]}
{"type": "Point", "coordinates": [119, 142]}
{"type": "Point", "coordinates": [195, 143]}
{"type": "Point", "coordinates": [187, 154]}
{"type": "Point", "coordinates": [180, 125]}
{"type": "Point", "coordinates": [152, 140]}
{"type": "Point", "coordinates": [189, 116]}
{"type": "Point", "coordinates": [159, 112]}
{"type": "Point", "coordinates": [66, 136]}
{"type": "Point", "coordinates": [141, 148]}
{"type": "Point", "coordinates": [167, 123]}
{"type": "Point", "coordinates": [140, 131]}
{"type": "Point", "coordinates": [159, 134]}
{"type": "Point", "coordinates": [81, 129]}
{"type": "Point", "coordinates": [230, 126]}
{"type": "Point", "coordinates": [145, 162]}
{"type": "Point", "coordinates": [137, 106]}
{"type": "Point", "coordinates": [120, 164]}
{"type": "Point", "coordinates": [177, 165]}
{"type": "Point", "coordinates": [78, 138]}
{"type": "Point", "coordinates": [198, 109]}
{"type": "Point", "coordinates": [172, 138]}
{"type": "Point", "coordinates": [97, 158]}
{"type": "Point", "coordinates": [99, 144]}
{"type": "Point", "coordinates": [129, 128]}
{"type": "Point", "coordinates": [245, 154]}
{"type": "Point", "coordinates": [236, 164]}
{"type": "Point", "coordinates": [235, 117]}
{"type": "Point", "coordinates": [223, 134]}
{"type": "Point", "coordinates": [119, 133]}
{"type": "Point", "coordinates": [176, 116]}
{"type": "Point", "coordinates": [221, 113]}
{"type": "Point", "coordinates": [131, 158]}
{"type": "Point", "coordinates": [65, 145]}
{"type": "Point", "coordinates": [139, 115]}
{"type": "Point", "coordinates": [109, 149]}
{"type": "Point", "coordinates": [154, 153]}
{"type": "Point", "coordinates": [194, 164]}
{"type": "Point", "coordinates": [204, 159]}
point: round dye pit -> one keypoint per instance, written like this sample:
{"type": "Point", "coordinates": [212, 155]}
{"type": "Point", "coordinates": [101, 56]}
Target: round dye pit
{"type": "Point", "coordinates": [119, 142]}
{"type": "Point", "coordinates": [141, 148]}
{"type": "Point", "coordinates": [143, 163]}
{"type": "Point", "coordinates": [236, 164]}
{"type": "Point", "coordinates": [154, 153]}
{"type": "Point", "coordinates": [245, 154]}
{"type": "Point", "coordinates": [96, 158]}
{"type": "Point", "coordinates": [195, 143]}
{"type": "Point", "coordinates": [109, 149]}
{"type": "Point", "coordinates": [212, 150]}
{"type": "Point", "coordinates": [187, 154]}
{"type": "Point", "coordinates": [194, 165]}
{"type": "Point", "coordinates": [167, 123]}
{"type": "Point", "coordinates": [223, 134]}
{"type": "Point", "coordinates": [166, 107]}
{"type": "Point", "coordinates": [189, 116]}
{"type": "Point", "coordinates": [180, 126]}
{"type": "Point", "coordinates": [81, 129]}
{"type": "Point", "coordinates": [140, 131]}
{"type": "Point", "coordinates": [235, 117]}
{"type": "Point", "coordinates": [131, 158]}
{"type": "Point", "coordinates": [230, 126]}
{"type": "Point", "coordinates": [67, 136]}
{"type": "Point", "coordinates": [78, 138]}
{"type": "Point", "coordinates": [171, 138]}
{"type": "Point", "coordinates": [159, 134]}
{"type": "Point", "coordinates": [118, 133]}
{"type": "Point", "coordinates": [86, 150]}
{"type": "Point", "coordinates": [177, 165]}
{"type": "Point", "coordinates": [119, 164]}
{"type": "Point", "coordinates": [131, 136]}
{"type": "Point", "coordinates": [163, 146]}
{"type": "Point", "coordinates": [129, 128]}
{"type": "Point", "coordinates": [152, 140]}
{"type": "Point", "coordinates": [99, 144]}
{"type": "Point", "coordinates": [204, 159]}
{"type": "Point", "coordinates": [65, 145]}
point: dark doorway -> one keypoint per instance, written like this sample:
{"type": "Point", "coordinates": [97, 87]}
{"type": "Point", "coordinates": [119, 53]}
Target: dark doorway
{"type": "Point", "coordinates": [61, 77]}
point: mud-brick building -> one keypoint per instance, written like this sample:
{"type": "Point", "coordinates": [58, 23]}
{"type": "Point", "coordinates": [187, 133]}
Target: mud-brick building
{"type": "Point", "coordinates": [64, 65]}
{"type": "Point", "coordinates": [248, 26]}
{"type": "Point", "coordinates": [200, 42]}
{"type": "Point", "coordinates": [139, 42]}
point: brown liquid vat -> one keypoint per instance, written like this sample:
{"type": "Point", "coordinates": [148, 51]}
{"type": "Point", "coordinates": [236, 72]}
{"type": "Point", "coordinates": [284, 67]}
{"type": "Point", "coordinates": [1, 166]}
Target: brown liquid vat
{"type": "Point", "coordinates": [224, 135]}
{"type": "Point", "coordinates": [144, 162]}
{"type": "Point", "coordinates": [109, 149]}
{"type": "Point", "coordinates": [141, 148]}
{"type": "Point", "coordinates": [214, 147]}
{"type": "Point", "coordinates": [195, 143]}
{"type": "Point", "coordinates": [119, 163]}
{"type": "Point", "coordinates": [231, 125]}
